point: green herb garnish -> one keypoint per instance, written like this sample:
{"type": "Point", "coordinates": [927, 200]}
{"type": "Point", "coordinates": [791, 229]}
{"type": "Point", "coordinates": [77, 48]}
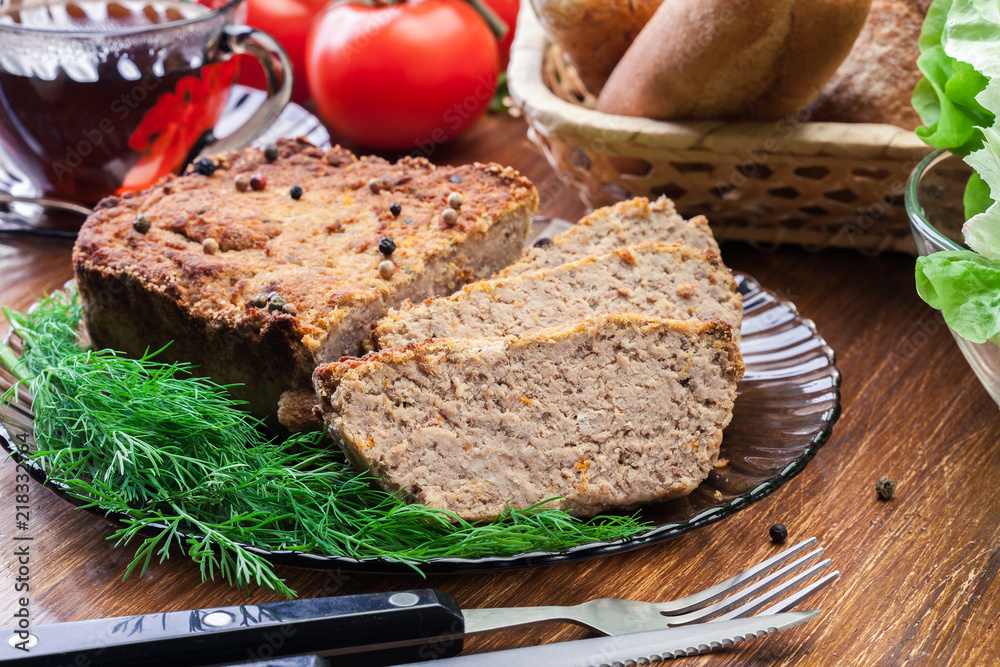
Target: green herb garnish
{"type": "Point", "coordinates": [148, 439]}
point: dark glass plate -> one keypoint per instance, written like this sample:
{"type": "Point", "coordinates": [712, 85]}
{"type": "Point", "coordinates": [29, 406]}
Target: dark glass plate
{"type": "Point", "coordinates": [785, 409]}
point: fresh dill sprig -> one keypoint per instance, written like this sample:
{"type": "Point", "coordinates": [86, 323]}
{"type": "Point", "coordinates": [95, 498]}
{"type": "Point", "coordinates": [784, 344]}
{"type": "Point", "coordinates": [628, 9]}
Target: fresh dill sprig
{"type": "Point", "coordinates": [176, 454]}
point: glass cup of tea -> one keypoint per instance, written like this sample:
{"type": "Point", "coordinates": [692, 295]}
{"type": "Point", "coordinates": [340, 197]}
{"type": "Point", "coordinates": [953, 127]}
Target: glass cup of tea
{"type": "Point", "coordinates": [102, 96]}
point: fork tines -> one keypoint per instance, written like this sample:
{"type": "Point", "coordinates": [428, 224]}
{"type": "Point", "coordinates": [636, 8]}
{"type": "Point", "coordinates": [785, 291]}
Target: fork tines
{"type": "Point", "coordinates": [758, 586]}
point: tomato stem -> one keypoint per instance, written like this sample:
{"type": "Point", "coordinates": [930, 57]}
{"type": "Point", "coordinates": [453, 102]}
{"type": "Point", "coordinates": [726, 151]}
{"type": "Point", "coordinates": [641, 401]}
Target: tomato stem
{"type": "Point", "coordinates": [497, 25]}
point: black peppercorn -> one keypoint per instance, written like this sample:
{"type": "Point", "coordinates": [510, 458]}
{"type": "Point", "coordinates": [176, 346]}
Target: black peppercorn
{"type": "Point", "coordinates": [395, 209]}
{"type": "Point", "coordinates": [885, 487]}
{"type": "Point", "coordinates": [271, 152]}
{"type": "Point", "coordinates": [204, 166]}
{"type": "Point", "coordinates": [778, 533]}
{"type": "Point", "coordinates": [544, 243]}
{"type": "Point", "coordinates": [141, 223]}
{"type": "Point", "coordinates": [276, 302]}
{"type": "Point", "coordinates": [386, 246]}
{"type": "Point", "coordinates": [296, 192]}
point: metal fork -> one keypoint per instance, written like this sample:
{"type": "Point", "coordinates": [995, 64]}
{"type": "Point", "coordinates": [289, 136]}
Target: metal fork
{"type": "Point", "coordinates": [748, 592]}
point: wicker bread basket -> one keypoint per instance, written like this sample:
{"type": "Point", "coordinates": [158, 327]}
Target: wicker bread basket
{"type": "Point", "coordinates": [817, 185]}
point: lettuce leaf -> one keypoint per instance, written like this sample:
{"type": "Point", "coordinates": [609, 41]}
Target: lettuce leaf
{"type": "Point", "coordinates": [946, 98]}
{"type": "Point", "coordinates": [946, 101]}
{"type": "Point", "coordinates": [933, 28]}
{"type": "Point", "coordinates": [977, 197]}
{"type": "Point", "coordinates": [970, 34]}
{"type": "Point", "coordinates": [965, 287]}
{"type": "Point", "coordinates": [982, 231]}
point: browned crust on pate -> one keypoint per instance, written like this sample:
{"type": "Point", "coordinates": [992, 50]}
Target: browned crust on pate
{"type": "Point", "coordinates": [297, 410]}
{"type": "Point", "coordinates": [320, 253]}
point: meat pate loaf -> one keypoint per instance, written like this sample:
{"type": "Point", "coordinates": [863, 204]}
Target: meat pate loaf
{"type": "Point", "coordinates": [260, 265]}
{"type": "Point", "coordinates": [613, 411]}
{"type": "Point", "coordinates": [623, 224]}
{"type": "Point", "coordinates": [657, 279]}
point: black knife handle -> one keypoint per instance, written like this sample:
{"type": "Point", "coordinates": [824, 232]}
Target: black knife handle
{"type": "Point", "coordinates": [375, 629]}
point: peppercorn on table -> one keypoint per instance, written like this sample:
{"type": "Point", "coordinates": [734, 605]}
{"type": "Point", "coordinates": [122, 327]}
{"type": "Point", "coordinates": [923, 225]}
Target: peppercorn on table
{"type": "Point", "coordinates": [918, 571]}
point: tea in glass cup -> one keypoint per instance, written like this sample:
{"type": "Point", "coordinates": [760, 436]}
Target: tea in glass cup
{"type": "Point", "coordinates": [98, 97]}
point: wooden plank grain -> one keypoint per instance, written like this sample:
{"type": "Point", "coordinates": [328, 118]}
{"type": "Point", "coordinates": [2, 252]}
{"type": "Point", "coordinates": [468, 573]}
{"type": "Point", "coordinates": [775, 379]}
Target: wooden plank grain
{"type": "Point", "coordinates": [918, 581]}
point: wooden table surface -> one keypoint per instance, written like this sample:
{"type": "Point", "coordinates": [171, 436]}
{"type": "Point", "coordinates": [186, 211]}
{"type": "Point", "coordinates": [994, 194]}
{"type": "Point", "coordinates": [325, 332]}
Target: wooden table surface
{"type": "Point", "coordinates": [918, 578]}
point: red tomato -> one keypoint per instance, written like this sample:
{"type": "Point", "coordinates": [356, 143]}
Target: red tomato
{"type": "Point", "coordinates": [506, 10]}
{"type": "Point", "coordinates": [401, 77]}
{"type": "Point", "coordinates": [288, 22]}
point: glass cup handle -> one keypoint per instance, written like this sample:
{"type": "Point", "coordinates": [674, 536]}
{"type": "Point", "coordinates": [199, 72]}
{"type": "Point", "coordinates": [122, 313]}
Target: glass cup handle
{"type": "Point", "coordinates": [237, 40]}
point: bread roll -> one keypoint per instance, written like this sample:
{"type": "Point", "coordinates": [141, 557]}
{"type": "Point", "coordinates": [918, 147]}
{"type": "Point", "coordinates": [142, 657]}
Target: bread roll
{"type": "Point", "coordinates": [732, 59]}
{"type": "Point", "coordinates": [594, 34]}
{"type": "Point", "coordinates": [875, 83]}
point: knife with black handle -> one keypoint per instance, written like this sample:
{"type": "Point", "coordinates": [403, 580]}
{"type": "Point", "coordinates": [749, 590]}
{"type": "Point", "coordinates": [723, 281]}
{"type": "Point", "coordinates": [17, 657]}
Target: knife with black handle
{"type": "Point", "coordinates": [375, 629]}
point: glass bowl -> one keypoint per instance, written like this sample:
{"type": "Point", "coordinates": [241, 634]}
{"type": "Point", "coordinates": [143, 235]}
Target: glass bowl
{"type": "Point", "coordinates": [934, 205]}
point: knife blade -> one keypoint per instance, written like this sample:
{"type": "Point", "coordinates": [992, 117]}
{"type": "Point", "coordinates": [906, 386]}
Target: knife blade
{"type": "Point", "coordinates": [300, 661]}
{"type": "Point", "coordinates": [638, 648]}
